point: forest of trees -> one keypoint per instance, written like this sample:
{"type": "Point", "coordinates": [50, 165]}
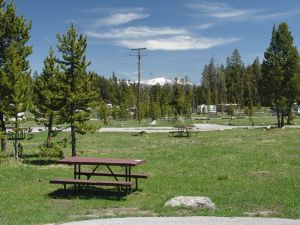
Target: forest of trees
{"type": "Point", "coordinates": [66, 91]}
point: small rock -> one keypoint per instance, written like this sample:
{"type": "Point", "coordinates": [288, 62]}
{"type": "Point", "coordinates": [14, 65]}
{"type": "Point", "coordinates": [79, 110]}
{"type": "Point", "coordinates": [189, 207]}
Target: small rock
{"type": "Point", "coordinates": [191, 202]}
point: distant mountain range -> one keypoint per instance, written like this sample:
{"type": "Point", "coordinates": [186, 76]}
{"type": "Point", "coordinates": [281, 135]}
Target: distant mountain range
{"type": "Point", "coordinates": [158, 80]}
{"type": "Point", "coordinates": [163, 81]}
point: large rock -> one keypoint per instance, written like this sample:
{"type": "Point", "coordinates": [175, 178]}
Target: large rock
{"type": "Point", "coordinates": [191, 202]}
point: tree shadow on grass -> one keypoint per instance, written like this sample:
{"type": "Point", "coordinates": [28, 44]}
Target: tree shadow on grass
{"type": "Point", "coordinates": [37, 160]}
{"type": "Point", "coordinates": [86, 193]}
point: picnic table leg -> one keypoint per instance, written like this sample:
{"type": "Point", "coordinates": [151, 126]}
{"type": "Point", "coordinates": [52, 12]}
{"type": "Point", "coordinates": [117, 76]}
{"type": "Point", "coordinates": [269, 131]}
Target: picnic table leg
{"type": "Point", "coordinates": [79, 169]}
{"type": "Point", "coordinates": [75, 170]}
{"type": "Point", "coordinates": [126, 177]}
{"type": "Point", "coordinates": [129, 173]}
{"type": "Point", "coordinates": [136, 184]}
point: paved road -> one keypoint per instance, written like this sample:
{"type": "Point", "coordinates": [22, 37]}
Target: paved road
{"type": "Point", "coordinates": [198, 127]}
{"type": "Point", "coordinates": [197, 220]}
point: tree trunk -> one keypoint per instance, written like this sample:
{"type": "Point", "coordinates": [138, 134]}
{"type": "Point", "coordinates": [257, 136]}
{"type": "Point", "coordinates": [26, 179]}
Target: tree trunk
{"type": "Point", "coordinates": [278, 118]}
{"type": "Point", "coordinates": [50, 124]}
{"type": "Point", "coordinates": [73, 139]}
{"type": "Point", "coordinates": [16, 138]}
{"type": "Point", "coordinates": [4, 134]}
{"type": "Point", "coordinates": [290, 113]}
{"type": "Point", "coordinates": [289, 119]}
{"type": "Point", "coordinates": [282, 119]}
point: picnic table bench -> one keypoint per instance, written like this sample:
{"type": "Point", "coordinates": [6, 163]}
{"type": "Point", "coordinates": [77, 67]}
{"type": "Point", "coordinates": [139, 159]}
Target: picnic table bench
{"type": "Point", "coordinates": [124, 186]}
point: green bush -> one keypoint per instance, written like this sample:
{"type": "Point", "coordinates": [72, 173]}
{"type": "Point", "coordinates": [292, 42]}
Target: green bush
{"type": "Point", "coordinates": [53, 151]}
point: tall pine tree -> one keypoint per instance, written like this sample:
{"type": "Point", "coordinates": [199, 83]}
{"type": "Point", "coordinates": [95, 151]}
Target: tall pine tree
{"type": "Point", "coordinates": [15, 87]}
{"type": "Point", "coordinates": [49, 95]}
{"type": "Point", "coordinates": [79, 92]}
{"type": "Point", "coordinates": [280, 77]}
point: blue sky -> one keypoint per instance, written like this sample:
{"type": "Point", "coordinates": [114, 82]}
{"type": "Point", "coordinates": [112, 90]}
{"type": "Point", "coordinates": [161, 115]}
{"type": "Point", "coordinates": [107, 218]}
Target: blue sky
{"type": "Point", "coordinates": [180, 36]}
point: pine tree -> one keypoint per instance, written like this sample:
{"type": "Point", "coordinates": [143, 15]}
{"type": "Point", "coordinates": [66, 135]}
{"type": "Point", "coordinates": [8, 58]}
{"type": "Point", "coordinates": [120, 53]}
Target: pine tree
{"type": "Point", "coordinates": [166, 93]}
{"type": "Point", "coordinates": [15, 87]}
{"type": "Point", "coordinates": [49, 95]}
{"type": "Point", "coordinates": [256, 77]}
{"type": "Point", "coordinates": [79, 92]}
{"type": "Point", "coordinates": [20, 85]}
{"type": "Point", "coordinates": [280, 77]}
{"type": "Point", "coordinates": [222, 87]}
{"type": "Point", "coordinates": [178, 99]}
{"type": "Point", "coordinates": [103, 112]}
{"type": "Point", "coordinates": [234, 78]}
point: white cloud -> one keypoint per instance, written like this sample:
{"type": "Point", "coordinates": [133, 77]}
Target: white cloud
{"type": "Point", "coordinates": [177, 43]}
{"type": "Point", "coordinates": [120, 18]}
{"type": "Point", "coordinates": [230, 14]}
{"type": "Point", "coordinates": [276, 15]}
{"type": "Point", "coordinates": [208, 7]}
{"type": "Point", "coordinates": [160, 38]}
{"type": "Point", "coordinates": [226, 12]}
{"type": "Point", "coordinates": [204, 26]}
{"type": "Point", "coordinates": [138, 32]}
{"type": "Point", "coordinates": [114, 9]}
{"type": "Point", "coordinates": [220, 10]}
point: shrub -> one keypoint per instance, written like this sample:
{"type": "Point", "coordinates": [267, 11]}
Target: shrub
{"type": "Point", "coordinates": [53, 151]}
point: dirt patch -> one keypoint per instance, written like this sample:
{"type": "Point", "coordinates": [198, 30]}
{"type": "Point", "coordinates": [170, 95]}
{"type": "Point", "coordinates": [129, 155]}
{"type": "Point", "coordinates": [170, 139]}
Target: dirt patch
{"type": "Point", "coordinates": [266, 212]}
{"type": "Point", "coordinates": [267, 140]}
{"type": "Point", "coordinates": [263, 173]}
{"type": "Point", "coordinates": [113, 212]}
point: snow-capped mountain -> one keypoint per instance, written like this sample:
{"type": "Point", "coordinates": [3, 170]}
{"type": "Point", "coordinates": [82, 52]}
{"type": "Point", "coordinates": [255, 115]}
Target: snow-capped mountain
{"type": "Point", "coordinates": [162, 81]}
{"type": "Point", "coordinates": [158, 80]}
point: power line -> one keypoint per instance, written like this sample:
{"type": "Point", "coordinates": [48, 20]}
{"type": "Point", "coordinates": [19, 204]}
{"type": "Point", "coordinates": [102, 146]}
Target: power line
{"type": "Point", "coordinates": [138, 55]}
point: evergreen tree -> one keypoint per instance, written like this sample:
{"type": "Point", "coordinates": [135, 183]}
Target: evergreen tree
{"type": "Point", "coordinates": [256, 77]}
{"type": "Point", "coordinates": [234, 78]}
{"type": "Point", "coordinates": [248, 89]}
{"type": "Point", "coordinates": [177, 99]}
{"type": "Point", "coordinates": [114, 87]}
{"type": "Point", "coordinates": [145, 102]}
{"type": "Point", "coordinates": [15, 87]}
{"type": "Point", "coordinates": [49, 95]}
{"type": "Point", "coordinates": [123, 113]}
{"type": "Point", "coordinates": [154, 111]}
{"type": "Point", "coordinates": [103, 112]}
{"type": "Point", "coordinates": [222, 86]}
{"type": "Point", "coordinates": [211, 81]}
{"type": "Point", "coordinates": [280, 77]}
{"type": "Point", "coordinates": [166, 93]}
{"type": "Point", "coordinates": [79, 92]}
{"type": "Point", "coordinates": [188, 100]}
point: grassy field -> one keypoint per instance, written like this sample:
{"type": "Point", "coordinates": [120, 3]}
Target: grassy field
{"type": "Point", "coordinates": [242, 171]}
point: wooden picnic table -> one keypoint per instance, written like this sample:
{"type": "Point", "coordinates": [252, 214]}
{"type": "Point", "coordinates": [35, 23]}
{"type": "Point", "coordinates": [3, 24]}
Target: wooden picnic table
{"type": "Point", "coordinates": [78, 162]}
{"type": "Point", "coordinates": [182, 130]}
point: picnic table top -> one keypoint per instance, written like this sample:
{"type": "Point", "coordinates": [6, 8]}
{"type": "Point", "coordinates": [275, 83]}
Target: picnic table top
{"type": "Point", "coordinates": [101, 161]}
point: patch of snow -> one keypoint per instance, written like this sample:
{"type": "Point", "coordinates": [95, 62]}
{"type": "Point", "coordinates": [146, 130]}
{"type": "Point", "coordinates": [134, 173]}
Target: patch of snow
{"type": "Point", "coordinates": [158, 80]}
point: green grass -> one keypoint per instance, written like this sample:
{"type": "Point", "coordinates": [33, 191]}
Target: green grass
{"type": "Point", "coordinates": [240, 170]}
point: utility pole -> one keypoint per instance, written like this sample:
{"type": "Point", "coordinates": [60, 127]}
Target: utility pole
{"type": "Point", "coordinates": [138, 55]}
